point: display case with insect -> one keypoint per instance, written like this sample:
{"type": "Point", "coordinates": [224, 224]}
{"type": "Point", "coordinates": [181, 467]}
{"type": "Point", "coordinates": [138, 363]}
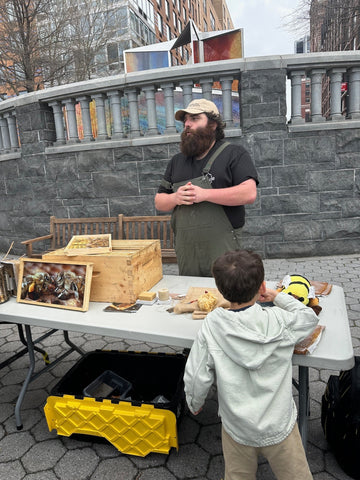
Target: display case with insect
{"type": "Point", "coordinates": [63, 285]}
{"type": "Point", "coordinates": [89, 244]}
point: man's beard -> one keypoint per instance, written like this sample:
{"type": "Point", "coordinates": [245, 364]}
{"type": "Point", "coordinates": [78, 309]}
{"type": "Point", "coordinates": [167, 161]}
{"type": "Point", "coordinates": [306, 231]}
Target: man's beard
{"type": "Point", "coordinates": [198, 142]}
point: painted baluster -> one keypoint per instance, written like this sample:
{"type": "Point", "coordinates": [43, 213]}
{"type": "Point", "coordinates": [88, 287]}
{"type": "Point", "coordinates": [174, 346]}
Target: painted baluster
{"type": "Point", "coordinates": [86, 119]}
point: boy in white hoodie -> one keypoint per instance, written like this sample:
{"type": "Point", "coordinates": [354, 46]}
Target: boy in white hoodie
{"type": "Point", "coordinates": [248, 351]}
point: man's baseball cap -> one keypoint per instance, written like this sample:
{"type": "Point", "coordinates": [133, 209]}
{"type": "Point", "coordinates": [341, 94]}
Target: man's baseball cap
{"type": "Point", "coordinates": [197, 106]}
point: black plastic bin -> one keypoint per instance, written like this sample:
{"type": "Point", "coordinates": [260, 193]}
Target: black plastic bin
{"type": "Point", "coordinates": [155, 378]}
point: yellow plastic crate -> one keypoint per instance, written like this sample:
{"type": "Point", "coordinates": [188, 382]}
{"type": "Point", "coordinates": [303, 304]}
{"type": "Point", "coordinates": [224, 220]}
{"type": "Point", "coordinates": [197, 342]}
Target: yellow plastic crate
{"type": "Point", "coordinates": [135, 423]}
{"type": "Point", "coordinates": [132, 430]}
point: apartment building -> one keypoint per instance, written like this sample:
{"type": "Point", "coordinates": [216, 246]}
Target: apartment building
{"type": "Point", "coordinates": [171, 17]}
{"type": "Point", "coordinates": [334, 26]}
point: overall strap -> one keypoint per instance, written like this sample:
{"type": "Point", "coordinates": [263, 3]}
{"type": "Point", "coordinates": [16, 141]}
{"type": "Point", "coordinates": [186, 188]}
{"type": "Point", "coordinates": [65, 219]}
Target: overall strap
{"type": "Point", "coordinates": [213, 157]}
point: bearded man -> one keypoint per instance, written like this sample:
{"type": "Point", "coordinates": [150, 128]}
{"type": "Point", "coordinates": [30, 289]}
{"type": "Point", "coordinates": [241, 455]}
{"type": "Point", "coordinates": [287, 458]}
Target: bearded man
{"type": "Point", "coordinates": [206, 187]}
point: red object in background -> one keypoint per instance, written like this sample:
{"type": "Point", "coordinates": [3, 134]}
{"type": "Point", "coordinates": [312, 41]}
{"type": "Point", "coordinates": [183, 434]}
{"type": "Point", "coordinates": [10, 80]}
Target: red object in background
{"type": "Point", "coordinates": [220, 47]}
{"type": "Point", "coordinates": [344, 87]}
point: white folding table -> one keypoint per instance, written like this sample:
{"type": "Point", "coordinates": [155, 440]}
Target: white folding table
{"type": "Point", "coordinates": [154, 324]}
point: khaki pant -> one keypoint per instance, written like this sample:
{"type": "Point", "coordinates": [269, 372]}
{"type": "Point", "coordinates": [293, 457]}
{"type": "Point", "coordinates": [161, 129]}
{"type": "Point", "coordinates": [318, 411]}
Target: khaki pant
{"type": "Point", "coordinates": [287, 459]}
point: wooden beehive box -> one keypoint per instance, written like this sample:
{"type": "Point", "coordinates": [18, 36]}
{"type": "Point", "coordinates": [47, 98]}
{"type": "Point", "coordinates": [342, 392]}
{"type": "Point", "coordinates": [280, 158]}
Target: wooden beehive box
{"type": "Point", "coordinates": [120, 275]}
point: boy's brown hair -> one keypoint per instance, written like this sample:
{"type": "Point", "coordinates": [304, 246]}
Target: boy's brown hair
{"type": "Point", "coordinates": [238, 275]}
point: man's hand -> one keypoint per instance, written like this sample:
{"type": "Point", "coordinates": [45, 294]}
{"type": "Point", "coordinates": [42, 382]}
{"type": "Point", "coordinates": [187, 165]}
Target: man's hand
{"type": "Point", "coordinates": [185, 194]}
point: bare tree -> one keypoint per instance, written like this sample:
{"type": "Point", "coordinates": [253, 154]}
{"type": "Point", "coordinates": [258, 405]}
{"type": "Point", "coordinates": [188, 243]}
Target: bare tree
{"type": "Point", "coordinates": [92, 26]}
{"type": "Point", "coordinates": [24, 47]}
{"type": "Point", "coordinates": [334, 25]}
{"type": "Point", "coordinates": [49, 42]}
{"type": "Point", "coordinates": [317, 17]}
{"type": "Point", "coordinates": [299, 19]}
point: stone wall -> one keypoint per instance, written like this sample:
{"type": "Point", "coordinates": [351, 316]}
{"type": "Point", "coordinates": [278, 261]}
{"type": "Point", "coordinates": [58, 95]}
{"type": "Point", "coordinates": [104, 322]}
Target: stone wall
{"type": "Point", "coordinates": [308, 199]}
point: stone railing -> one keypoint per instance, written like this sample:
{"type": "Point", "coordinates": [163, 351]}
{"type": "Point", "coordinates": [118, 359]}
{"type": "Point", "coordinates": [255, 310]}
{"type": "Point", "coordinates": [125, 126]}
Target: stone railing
{"type": "Point", "coordinates": [117, 100]}
{"type": "Point", "coordinates": [330, 68]}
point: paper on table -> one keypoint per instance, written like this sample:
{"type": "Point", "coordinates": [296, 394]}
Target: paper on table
{"type": "Point", "coordinates": [309, 344]}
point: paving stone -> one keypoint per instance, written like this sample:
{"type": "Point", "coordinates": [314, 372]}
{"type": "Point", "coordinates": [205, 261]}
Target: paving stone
{"type": "Point", "coordinates": [43, 455]}
{"type": "Point", "coordinates": [120, 467]}
{"type": "Point", "coordinates": [188, 430]}
{"type": "Point", "coordinates": [77, 464]}
{"type": "Point", "coordinates": [15, 445]}
{"type": "Point", "coordinates": [151, 460]}
{"type": "Point", "coordinates": [160, 473]}
{"type": "Point", "coordinates": [46, 475]}
{"type": "Point", "coordinates": [12, 470]}
{"type": "Point", "coordinates": [190, 461]}
{"type": "Point", "coordinates": [210, 439]}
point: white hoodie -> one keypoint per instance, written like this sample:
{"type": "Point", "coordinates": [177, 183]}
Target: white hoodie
{"type": "Point", "coordinates": [249, 354]}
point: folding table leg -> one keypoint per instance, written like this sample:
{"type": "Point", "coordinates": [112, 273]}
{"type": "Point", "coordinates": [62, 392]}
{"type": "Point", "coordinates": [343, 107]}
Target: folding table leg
{"type": "Point", "coordinates": [31, 375]}
{"type": "Point", "coordinates": [30, 346]}
{"type": "Point", "coordinates": [303, 403]}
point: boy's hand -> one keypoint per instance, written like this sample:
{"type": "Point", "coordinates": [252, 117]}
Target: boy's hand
{"type": "Point", "coordinates": [269, 295]}
{"type": "Point", "coordinates": [196, 413]}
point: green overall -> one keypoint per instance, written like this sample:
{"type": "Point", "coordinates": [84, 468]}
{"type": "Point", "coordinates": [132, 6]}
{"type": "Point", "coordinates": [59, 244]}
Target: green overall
{"type": "Point", "coordinates": [203, 231]}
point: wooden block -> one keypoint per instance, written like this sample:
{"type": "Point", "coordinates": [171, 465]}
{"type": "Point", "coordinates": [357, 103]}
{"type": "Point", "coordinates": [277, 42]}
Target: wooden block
{"type": "Point", "coordinates": [148, 296]}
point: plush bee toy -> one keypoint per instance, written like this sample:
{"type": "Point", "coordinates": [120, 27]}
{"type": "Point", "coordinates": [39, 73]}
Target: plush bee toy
{"type": "Point", "coordinates": [300, 288]}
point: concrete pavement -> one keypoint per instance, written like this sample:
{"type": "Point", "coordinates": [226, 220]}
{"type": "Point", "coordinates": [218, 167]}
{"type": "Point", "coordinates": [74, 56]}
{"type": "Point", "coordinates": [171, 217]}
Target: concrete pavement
{"type": "Point", "coordinates": [34, 453]}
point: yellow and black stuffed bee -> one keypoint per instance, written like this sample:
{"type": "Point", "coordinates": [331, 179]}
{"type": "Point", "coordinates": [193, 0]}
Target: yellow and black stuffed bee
{"type": "Point", "coordinates": [300, 288]}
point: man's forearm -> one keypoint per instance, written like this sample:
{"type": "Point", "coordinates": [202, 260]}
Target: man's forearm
{"type": "Point", "coordinates": [165, 202]}
{"type": "Point", "coordinates": [242, 194]}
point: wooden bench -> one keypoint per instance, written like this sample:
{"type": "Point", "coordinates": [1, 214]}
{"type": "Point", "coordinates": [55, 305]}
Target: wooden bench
{"type": "Point", "coordinates": [151, 227]}
{"type": "Point", "coordinates": [122, 227]}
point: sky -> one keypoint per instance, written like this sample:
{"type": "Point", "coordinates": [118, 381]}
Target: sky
{"type": "Point", "coordinates": [263, 23]}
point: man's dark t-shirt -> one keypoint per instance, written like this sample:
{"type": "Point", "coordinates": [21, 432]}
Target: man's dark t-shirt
{"type": "Point", "coordinates": [232, 167]}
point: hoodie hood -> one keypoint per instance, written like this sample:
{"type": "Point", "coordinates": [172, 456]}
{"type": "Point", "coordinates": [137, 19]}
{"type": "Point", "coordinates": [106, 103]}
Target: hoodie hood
{"type": "Point", "coordinates": [246, 339]}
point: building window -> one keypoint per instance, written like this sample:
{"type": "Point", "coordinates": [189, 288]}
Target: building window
{"type": "Point", "coordinates": [174, 20]}
{"type": "Point", "coordinates": [168, 30]}
{"type": "Point", "coordinates": [204, 6]}
{"type": "Point", "coordinates": [160, 23]}
{"type": "Point", "coordinates": [167, 9]}
{"type": "Point", "coordinates": [205, 26]}
{"type": "Point", "coordinates": [212, 22]}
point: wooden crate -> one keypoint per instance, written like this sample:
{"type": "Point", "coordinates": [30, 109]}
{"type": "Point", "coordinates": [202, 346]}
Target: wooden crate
{"type": "Point", "coordinates": [120, 275]}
